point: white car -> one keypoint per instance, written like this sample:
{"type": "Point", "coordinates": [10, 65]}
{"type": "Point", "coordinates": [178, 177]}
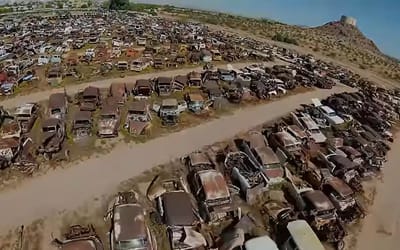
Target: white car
{"type": "Point", "coordinates": [331, 115]}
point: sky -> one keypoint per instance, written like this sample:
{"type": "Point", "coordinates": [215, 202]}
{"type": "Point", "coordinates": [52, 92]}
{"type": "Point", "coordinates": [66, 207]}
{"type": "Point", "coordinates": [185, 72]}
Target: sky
{"type": "Point", "coordinates": [378, 20]}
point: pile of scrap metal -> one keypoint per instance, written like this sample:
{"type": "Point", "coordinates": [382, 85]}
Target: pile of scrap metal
{"type": "Point", "coordinates": [246, 174]}
{"type": "Point", "coordinates": [16, 147]}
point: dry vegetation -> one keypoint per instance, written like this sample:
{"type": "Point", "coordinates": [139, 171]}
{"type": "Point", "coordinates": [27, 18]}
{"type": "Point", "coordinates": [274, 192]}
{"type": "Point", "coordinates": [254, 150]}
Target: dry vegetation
{"type": "Point", "coordinates": [334, 40]}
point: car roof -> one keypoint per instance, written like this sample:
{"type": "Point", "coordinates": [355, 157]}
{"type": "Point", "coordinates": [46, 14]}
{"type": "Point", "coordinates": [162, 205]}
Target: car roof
{"type": "Point", "coordinates": [174, 215]}
{"type": "Point", "coordinates": [304, 236]}
{"type": "Point", "coordinates": [129, 222]}
{"type": "Point", "coordinates": [261, 243]}
{"type": "Point", "coordinates": [214, 184]}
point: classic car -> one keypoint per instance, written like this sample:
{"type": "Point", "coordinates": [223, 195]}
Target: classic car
{"type": "Point", "coordinates": [109, 121]}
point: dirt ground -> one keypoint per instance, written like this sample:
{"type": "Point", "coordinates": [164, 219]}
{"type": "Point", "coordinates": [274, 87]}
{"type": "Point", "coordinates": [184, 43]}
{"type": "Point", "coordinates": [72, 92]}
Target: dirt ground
{"type": "Point", "coordinates": [381, 227]}
{"type": "Point", "coordinates": [99, 175]}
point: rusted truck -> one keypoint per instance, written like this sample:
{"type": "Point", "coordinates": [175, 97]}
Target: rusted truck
{"type": "Point", "coordinates": [138, 118]}
{"type": "Point", "coordinates": [80, 237]}
{"type": "Point", "coordinates": [109, 121]}
{"type": "Point", "coordinates": [143, 89]}
{"type": "Point", "coordinates": [129, 228]}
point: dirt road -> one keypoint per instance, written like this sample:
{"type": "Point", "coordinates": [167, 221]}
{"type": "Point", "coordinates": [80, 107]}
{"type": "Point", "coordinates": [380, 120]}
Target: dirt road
{"type": "Point", "coordinates": [381, 227]}
{"type": "Point", "coordinates": [72, 89]}
{"type": "Point", "coordinates": [68, 188]}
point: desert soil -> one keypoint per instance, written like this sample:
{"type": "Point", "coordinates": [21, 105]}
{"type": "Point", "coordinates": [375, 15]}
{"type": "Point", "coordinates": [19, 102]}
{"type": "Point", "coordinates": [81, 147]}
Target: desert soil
{"type": "Point", "coordinates": [381, 227]}
{"type": "Point", "coordinates": [67, 189]}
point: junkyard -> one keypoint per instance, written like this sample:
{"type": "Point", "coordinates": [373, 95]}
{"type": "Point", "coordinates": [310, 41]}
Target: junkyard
{"type": "Point", "coordinates": [298, 175]}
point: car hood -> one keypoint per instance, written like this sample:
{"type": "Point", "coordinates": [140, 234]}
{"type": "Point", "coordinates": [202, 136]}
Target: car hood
{"type": "Point", "coordinates": [107, 124]}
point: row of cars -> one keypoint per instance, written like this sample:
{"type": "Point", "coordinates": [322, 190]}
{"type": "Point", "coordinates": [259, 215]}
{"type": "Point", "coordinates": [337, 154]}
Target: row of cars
{"type": "Point", "coordinates": [303, 173]}
{"type": "Point", "coordinates": [200, 91]}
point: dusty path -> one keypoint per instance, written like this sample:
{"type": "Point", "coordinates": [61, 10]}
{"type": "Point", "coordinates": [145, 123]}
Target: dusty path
{"type": "Point", "coordinates": [71, 89]}
{"type": "Point", "coordinates": [68, 188]}
{"type": "Point", "coordinates": [381, 227]}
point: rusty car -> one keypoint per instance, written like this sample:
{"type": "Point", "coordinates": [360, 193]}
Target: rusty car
{"type": "Point", "coordinates": [89, 99]}
{"type": "Point", "coordinates": [52, 139]}
{"type": "Point", "coordinates": [180, 221]}
{"type": "Point", "coordinates": [129, 228]}
{"type": "Point", "coordinates": [118, 91]}
{"type": "Point", "coordinates": [138, 118]}
{"type": "Point", "coordinates": [82, 125]}
{"type": "Point", "coordinates": [26, 115]}
{"type": "Point", "coordinates": [109, 121]}
{"type": "Point", "coordinates": [143, 89]}
{"type": "Point", "coordinates": [58, 105]}
{"type": "Point", "coordinates": [320, 213]}
{"type": "Point", "coordinates": [80, 237]}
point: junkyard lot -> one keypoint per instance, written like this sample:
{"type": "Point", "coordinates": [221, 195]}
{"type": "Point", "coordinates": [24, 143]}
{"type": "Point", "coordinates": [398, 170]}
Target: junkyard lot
{"type": "Point", "coordinates": [102, 174]}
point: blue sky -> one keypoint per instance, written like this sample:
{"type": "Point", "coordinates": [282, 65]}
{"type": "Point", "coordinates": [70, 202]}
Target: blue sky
{"type": "Point", "coordinates": [378, 20]}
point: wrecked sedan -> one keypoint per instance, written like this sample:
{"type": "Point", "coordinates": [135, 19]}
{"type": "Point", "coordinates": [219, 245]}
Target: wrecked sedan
{"type": "Point", "coordinates": [58, 105]}
{"type": "Point", "coordinates": [138, 118]}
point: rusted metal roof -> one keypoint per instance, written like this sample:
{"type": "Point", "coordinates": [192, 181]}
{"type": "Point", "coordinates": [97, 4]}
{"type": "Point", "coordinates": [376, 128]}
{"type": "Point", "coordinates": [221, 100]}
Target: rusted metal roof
{"type": "Point", "coordinates": [140, 105]}
{"type": "Point", "coordinates": [109, 109]}
{"type": "Point", "coordinates": [256, 139]}
{"type": "Point", "coordinates": [82, 115]}
{"type": "Point", "coordinates": [297, 131]}
{"type": "Point", "coordinates": [196, 97]}
{"type": "Point", "coordinates": [137, 127]}
{"type": "Point", "coordinates": [340, 186]}
{"type": "Point", "coordinates": [214, 184]}
{"type": "Point", "coordinates": [143, 83]}
{"type": "Point", "coordinates": [118, 89]}
{"type": "Point", "coordinates": [164, 80]}
{"type": "Point", "coordinates": [181, 215]}
{"type": "Point", "coordinates": [129, 222]}
{"type": "Point", "coordinates": [267, 155]}
{"type": "Point", "coordinates": [319, 200]}
{"type": "Point", "coordinates": [79, 245]}
{"type": "Point", "coordinates": [91, 91]}
{"type": "Point", "coordinates": [57, 100]}
{"type": "Point", "coordinates": [199, 158]}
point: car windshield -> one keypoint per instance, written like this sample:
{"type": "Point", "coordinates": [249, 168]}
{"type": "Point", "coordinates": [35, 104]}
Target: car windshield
{"type": "Point", "coordinates": [108, 116]}
{"type": "Point", "coordinates": [274, 166]}
{"type": "Point", "coordinates": [315, 131]}
{"type": "Point", "coordinates": [55, 111]}
{"type": "Point", "coordinates": [82, 122]}
{"type": "Point", "coordinates": [132, 244]}
{"type": "Point", "coordinates": [49, 129]}
{"type": "Point", "coordinates": [167, 107]}
{"type": "Point", "coordinates": [23, 116]}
